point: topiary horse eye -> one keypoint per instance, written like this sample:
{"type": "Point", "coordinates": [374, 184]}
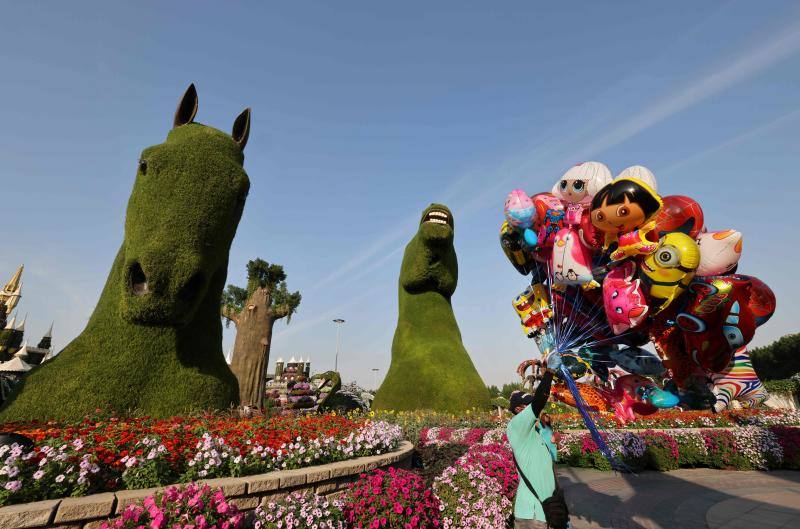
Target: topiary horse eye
{"type": "Point", "coordinates": [143, 166]}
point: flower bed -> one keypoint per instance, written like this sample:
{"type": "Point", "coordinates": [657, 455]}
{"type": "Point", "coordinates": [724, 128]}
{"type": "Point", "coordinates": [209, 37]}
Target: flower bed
{"type": "Point", "coordinates": [193, 506]}
{"type": "Point", "coordinates": [686, 419]}
{"type": "Point", "coordinates": [428, 427]}
{"type": "Point", "coordinates": [739, 448]}
{"type": "Point", "coordinates": [109, 454]}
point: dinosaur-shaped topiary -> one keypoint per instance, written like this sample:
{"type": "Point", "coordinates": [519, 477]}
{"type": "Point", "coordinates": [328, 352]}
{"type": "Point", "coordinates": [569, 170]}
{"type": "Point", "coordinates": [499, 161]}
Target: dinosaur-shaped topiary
{"type": "Point", "coordinates": [430, 368]}
{"type": "Point", "coordinates": [154, 342]}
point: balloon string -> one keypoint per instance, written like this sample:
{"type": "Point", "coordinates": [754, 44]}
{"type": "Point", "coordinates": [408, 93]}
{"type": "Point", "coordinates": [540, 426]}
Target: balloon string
{"type": "Point", "coordinates": [583, 409]}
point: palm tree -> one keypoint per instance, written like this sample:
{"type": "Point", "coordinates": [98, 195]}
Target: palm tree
{"type": "Point", "coordinates": [254, 310]}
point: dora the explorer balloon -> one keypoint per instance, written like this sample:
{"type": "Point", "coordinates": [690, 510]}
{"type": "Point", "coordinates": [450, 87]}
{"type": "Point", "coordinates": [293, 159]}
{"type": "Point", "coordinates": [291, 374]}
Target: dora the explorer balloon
{"type": "Point", "coordinates": [625, 211]}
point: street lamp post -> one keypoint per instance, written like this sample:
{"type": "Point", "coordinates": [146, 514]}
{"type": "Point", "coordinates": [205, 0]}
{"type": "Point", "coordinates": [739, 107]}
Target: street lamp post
{"type": "Point", "coordinates": [338, 322]}
{"type": "Point", "coordinates": [375, 378]}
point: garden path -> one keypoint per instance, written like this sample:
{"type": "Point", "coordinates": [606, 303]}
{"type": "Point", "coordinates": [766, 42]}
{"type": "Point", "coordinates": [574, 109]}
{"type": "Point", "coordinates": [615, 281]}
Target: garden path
{"type": "Point", "coordinates": [682, 499]}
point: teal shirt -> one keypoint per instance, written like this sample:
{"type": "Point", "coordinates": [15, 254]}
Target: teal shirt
{"type": "Point", "coordinates": [547, 436]}
{"type": "Point", "coordinates": [536, 462]}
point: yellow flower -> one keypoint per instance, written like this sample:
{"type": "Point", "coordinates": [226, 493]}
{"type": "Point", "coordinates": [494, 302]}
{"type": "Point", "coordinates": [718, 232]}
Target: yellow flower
{"type": "Point", "coordinates": [372, 414]}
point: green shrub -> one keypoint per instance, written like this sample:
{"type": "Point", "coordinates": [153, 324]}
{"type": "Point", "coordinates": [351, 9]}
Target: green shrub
{"type": "Point", "coordinates": [430, 367]}
{"type": "Point", "coordinates": [659, 458]}
{"type": "Point", "coordinates": [154, 342]}
{"type": "Point", "coordinates": [784, 386]}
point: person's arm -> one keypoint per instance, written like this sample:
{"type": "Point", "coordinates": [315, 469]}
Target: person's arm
{"type": "Point", "coordinates": [542, 393]}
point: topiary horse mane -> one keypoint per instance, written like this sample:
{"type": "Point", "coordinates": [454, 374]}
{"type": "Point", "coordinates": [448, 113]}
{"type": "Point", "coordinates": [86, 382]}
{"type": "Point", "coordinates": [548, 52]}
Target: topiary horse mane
{"type": "Point", "coordinates": [154, 342]}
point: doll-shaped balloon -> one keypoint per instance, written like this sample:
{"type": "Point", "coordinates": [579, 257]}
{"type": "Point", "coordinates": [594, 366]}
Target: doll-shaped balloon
{"type": "Point", "coordinates": [621, 207]}
{"type": "Point", "coordinates": [581, 182]}
{"type": "Point", "coordinates": [719, 252]}
{"type": "Point", "coordinates": [669, 270]}
{"type": "Point", "coordinates": [571, 260]}
{"type": "Point", "coordinates": [578, 186]}
{"type": "Point", "coordinates": [623, 299]}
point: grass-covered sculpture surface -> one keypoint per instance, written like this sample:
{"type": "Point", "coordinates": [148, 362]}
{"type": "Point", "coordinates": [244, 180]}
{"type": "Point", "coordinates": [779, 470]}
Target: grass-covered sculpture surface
{"type": "Point", "coordinates": [154, 342]}
{"type": "Point", "coordinates": [430, 368]}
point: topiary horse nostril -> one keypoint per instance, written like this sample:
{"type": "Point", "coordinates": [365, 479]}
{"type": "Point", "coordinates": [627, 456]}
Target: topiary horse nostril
{"type": "Point", "coordinates": [138, 280]}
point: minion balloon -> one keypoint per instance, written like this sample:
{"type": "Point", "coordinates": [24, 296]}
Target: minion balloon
{"type": "Point", "coordinates": [669, 270]}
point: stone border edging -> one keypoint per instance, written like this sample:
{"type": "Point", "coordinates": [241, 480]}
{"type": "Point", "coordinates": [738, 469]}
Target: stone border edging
{"type": "Point", "coordinates": [247, 492]}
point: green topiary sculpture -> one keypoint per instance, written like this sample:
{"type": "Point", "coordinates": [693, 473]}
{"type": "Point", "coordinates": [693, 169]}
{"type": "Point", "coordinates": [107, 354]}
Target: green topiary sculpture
{"type": "Point", "coordinates": [154, 342]}
{"type": "Point", "coordinates": [430, 368]}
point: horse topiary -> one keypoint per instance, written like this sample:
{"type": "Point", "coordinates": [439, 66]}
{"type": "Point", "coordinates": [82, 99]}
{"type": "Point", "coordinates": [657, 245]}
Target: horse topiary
{"type": "Point", "coordinates": [430, 368]}
{"type": "Point", "coordinates": [153, 345]}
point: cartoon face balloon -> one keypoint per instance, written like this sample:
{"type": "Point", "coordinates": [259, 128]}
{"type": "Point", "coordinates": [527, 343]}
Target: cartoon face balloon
{"type": "Point", "coordinates": [623, 300]}
{"type": "Point", "coordinates": [680, 213]}
{"type": "Point", "coordinates": [719, 252]}
{"type": "Point", "coordinates": [519, 209]}
{"type": "Point", "coordinates": [533, 309]}
{"type": "Point", "coordinates": [669, 270]}
{"type": "Point", "coordinates": [623, 206]}
{"type": "Point", "coordinates": [717, 319]}
{"type": "Point", "coordinates": [581, 182]}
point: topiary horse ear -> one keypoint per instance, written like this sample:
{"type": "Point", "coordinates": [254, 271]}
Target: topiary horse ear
{"type": "Point", "coordinates": [241, 128]}
{"type": "Point", "coordinates": [187, 108]}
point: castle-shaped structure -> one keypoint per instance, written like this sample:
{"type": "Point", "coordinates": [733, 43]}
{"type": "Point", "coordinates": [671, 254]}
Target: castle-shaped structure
{"type": "Point", "coordinates": [16, 356]}
{"type": "Point", "coordinates": [290, 386]}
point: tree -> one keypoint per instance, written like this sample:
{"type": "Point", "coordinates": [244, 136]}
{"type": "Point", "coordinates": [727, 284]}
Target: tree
{"type": "Point", "coordinates": [778, 360]}
{"type": "Point", "coordinates": [510, 388]}
{"type": "Point", "coordinates": [254, 310]}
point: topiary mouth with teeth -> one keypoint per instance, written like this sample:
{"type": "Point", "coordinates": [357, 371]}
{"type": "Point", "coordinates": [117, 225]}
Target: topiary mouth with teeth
{"type": "Point", "coordinates": [438, 216]}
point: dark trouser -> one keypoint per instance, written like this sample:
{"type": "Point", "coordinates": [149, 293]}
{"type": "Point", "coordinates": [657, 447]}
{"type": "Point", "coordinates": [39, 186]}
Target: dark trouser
{"type": "Point", "coordinates": [529, 524]}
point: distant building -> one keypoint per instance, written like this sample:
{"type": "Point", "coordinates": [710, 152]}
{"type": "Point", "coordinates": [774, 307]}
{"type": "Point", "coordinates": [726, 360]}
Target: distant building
{"type": "Point", "coordinates": [16, 356]}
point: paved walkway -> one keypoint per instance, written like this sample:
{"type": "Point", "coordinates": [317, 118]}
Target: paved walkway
{"type": "Point", "coordinates": [683, 499]}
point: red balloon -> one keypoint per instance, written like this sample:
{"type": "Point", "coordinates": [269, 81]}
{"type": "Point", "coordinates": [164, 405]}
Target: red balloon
{"type": "Point", "coordinates": [681, 214]}
{"type": "Point", "coordinates": [717, 319]}
{"type": "Point", "coordinates": [762, 300]}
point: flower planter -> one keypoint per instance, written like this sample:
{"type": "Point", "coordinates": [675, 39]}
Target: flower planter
{"type": "Point", "coordinates": [88, 512]}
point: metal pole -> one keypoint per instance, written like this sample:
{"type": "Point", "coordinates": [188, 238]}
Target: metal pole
{"type": "Point", "coordinates": [375, 379]}
{"type": "Point", "coordinates": [338, 322]}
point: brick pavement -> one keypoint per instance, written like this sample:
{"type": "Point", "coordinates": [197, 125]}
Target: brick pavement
{"type": "Point", "coordinates": [683, 499]}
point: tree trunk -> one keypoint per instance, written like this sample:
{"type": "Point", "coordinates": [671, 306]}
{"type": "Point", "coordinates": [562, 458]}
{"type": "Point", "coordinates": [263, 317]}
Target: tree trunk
{"type": "Point", "coordinates": [251, 347]}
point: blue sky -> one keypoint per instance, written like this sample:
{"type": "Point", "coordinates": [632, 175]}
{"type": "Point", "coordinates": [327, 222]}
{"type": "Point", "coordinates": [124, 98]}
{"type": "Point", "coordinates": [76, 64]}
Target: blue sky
{"type": "Point", "coordinates": [363, 114]}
